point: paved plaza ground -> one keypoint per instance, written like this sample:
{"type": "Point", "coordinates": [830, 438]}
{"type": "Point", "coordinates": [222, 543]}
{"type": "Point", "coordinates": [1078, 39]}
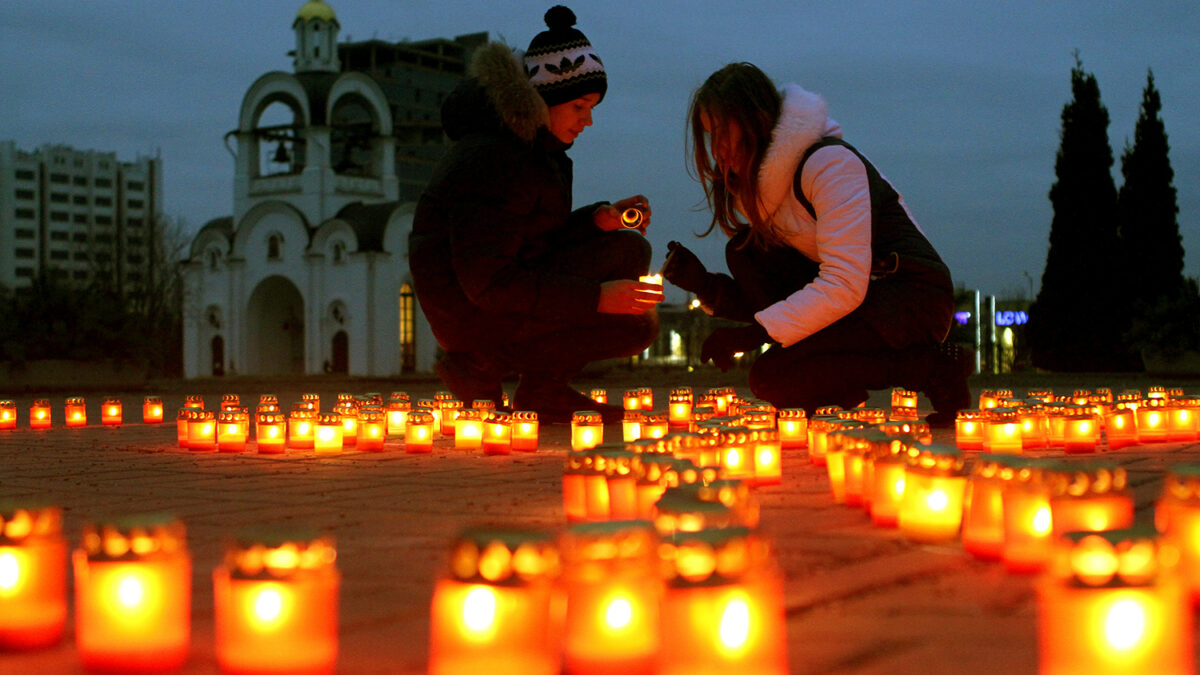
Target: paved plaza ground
{"type": "Point", "coordinates": [859, 599]}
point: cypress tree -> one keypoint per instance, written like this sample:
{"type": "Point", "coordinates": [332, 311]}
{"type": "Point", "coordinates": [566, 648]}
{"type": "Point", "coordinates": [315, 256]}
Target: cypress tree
{"type": "Point", "coordinates": [1149, 228]}
{"type": "Point", "coordinates": [1079, 319]}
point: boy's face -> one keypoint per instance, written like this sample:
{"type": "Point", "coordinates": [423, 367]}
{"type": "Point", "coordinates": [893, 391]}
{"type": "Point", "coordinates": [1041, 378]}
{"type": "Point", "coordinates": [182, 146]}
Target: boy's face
{"type": "Point", "coordinates": [568, 120]}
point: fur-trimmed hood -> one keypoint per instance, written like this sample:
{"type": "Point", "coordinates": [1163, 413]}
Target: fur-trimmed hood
{"type": "Point", "coordinates": [803, 120]}
{"type": "Point", "coordinates": [497, 96]}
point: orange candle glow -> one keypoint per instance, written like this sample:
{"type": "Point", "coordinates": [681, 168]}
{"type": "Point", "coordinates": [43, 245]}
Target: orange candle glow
{"type": "Point", "coordinates": [1034, 427]}
{"type": "Point", "coordinates": [1111, 605]}
{"type": "Point", "coordinates": [1120, 428]}
{"type": "Point", "coordinates": [327, 434]}
{"type": "Point", "coordinates": [468, 429]}
{"type": "Point", "coordinates": [418, 438]}
{"type": "Point", "coordinates": [983, 504]}
{"type": "Point", "coordinates": [577, 467]}
{"type": "Point", "coordinates": [818, 427]}
{"type": "Point", "coordinates": [968, 429]}
{"type": "Point", "coordinates": [1002, 431]}
{"type": "Point", "coordinates": [497, 433]}
{"type": "Point", "coordinates": [737, 447]}
{"type": "Point", "coordinates": [1181, 419]}
{"type": "Point", "coordinates": [111, 412]}
{"type": "Point", "coordinates": [230, 402]}
{"type": "Point", "coordinates": [202, 430]}
{"type": "Point", "coordinates": [682, 510]}
{"type": "Point", "coordinates": [632, 400]}
{"type": "Point", "coordinates": [1152, 419]}
{"type": "Point", "coordinates": [610, 572]}
{"type": "Point", "coordinates": [679, 407]}
{"type": "Point", "coordinates": [448, 406]}
{"type": "Point", "coordinates": [768, 457]}
{"type": "Point", "coordinates": [793, 428]}
{"type": "Point", "coordinates": [8, 415]}
{"type": "Point", "coordinates": [631, 425]}
{"type": "Point", "coordinates": [152, 410]}
{"type": "Point", "coordinates": [934, 483]}
{"type": "Point", "coordinates": [1081, 432]}
{"type": "Point", "coordinates": [302, 428]}
{"type": "Point", "coordinates": [397, 415]}
{"type": "Point", "coordinates": [497, 610]}
{"type": "Point", "coordinates": [1028, 521]}
{"type": "Point", "coordinates": [233, 426]}
{"type": "Point", "coordinates": [887, 486]}
{"type": "Point", "coordinates": [372, 429]}
{"type": "Point", "coordinates": [587, 430]}
{"type": "Point", "coordinates": [275, 602]}
{"type": "Point", "coordinates": [75, 412]}
{"type": "Point", "coordinates": [524, 431]}
{"type": "Point", "coordinates": [133, 595]}
{"type": "Point", "coordinates": [270, 432]}
{"type": "Point", "coordinates": [33, 576]}
{"type": "Point", "coordinates": [181, 425]}
{"type": "Point", "coordinates": [1177, 518]}
{"type": "Point", "coordinates": [1088, 497]}
{"type": "Point", "coordinates": [994, 398]}
{"type": "Point", "coordinates": [193, 401]}
{"type": "Point", "coordinates": [722, 611]}
{"type": "Point", "coordinates": [620, 472]}
{"type": "Point", "coordinates": [39, 414]}
{"type": "Point", "coordinates": [347, 413]}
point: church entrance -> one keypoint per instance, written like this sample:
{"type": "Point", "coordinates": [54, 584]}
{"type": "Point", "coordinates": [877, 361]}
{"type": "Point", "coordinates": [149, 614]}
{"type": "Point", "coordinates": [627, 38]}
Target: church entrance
{"type": "Point", "coordinates": [218, 355]}
{"type": "Point", "coordinates": [275, 329]}
{"type": "Point", "coordinates": [341, 353]}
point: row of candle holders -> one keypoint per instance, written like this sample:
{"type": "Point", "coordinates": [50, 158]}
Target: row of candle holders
{"type": "Point", "coordinates": [1113, 596]}
{"type": "Point", "coordinates": [1079, 422]}
{"type": "Point", "coordinates": [661, 568]}
{"type": "Point", "coordinates": [275, 596]}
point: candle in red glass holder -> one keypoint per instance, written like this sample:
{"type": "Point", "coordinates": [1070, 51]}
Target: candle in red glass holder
{"type": "Point", "coordinates": [133, 595]}
{"type": "Point", "coordinates": [969, 429]}
{"type": "Point", "coordinates": [1034, 426]}
{"type": "Point", "coordinates": [33, 576]}
{"type": "Point", "coordinates": [599, 395]}
{"type": "Point", "coordinates": [652, 479]}
{"type": "Point", "coordinates": [202, 430]}
{"type": "Point", "coordinates": [576, 468]}
{"type": "Point", "coordinates": [111, 412]}
{"type": "Point", "coordinates": [904, 404]}
{"type": "Point", "coordinates": [722, 610]}
{"type": "Point", "coordinates": [983, 504]}
{"type": "Point", "coordinates": [793, 428]}
{"type": "Point", "coordinates": [818, 427]}
{"type": "Point", "coordinates": [447, 406]}
{"type": "Point", "coordinates": [631, 425]}
{"type": "Point", "coordinates": [152, 410]}
{"type": "Point", "coordinates": [886, 482]}
{"type": "Point", "coordinates": [270, 433]}
{"type": "Point", "coordinates": [1088, 497]}
{"type": "Point", "coordinates": [682, 510]}
{"type": "Point", "coordinates": [994, 398]}
{"type": "Point", "coordinates": [311, 401]}
{"type": "Point", "coordinates": [418, 437]}
{"type": "Point", "coordinates": [1110, 604]}
{"type": "Point", "coordinates": [302, 427]}
{"type": "Point", "coordinates": [194, 401]}
{"type": "Point", "coordinates": [1152, 418]}
{"type": "Point", "coordinates": [1120, 428]}
{"type": "Point", "coordinates": [1177, 518]}
{"type": "Point", "coordinates": [1081, 433]}
{"type": "Point", "coordinates": [397, 415]}
{"type": "Point", "coordinates": [1182, 419]}
{"type": "Point", "coordinates": [768, 457]}
{"type": "Point", "coordinates": [497, 433]}
{"type": "Point", "coordinates": [1028, 523]}
{"type": "Point", "coordinates": [181, 425]}
{"type": "Point", "coordinates": [646, 395]}
{"type": "Point", "coordinates": [327, 435]}
{"type": "Point", "coordinates": [230, 402]}
{"type": "Point", "coordinates": [233, 426]}
{"type": "Point", "coordinates": [655, 425]}
{"type": "Point", "coordinates": [39, 414]}
{"type": "Point", "coordinates": [498, 610]}
{"type": "Point", "coordinates": [679, 407]}
{"type": "Point", "coordinates": [524, 431]}
{"type": "Point", "coordinates": [275, 602]}
{"type": "Point", "coordinates": [631, 400]}
{"type": "Point", "coordinates": [620, 469]}
{"type": "Point", "coordinates": [587, 430]}
{"type": "Point", "coordinates": [737, 447]}
{"type": "Point", "coordinates": [75, 412]}
{"type": "Point", "coordinates": [1002, 431]}
{"type": "Point", "coordinates": [8, 414]}
{"type": "Point", "coordinates": [934, 482]}
{"type": "Point", "coordinates": [468, 429]}
{"type": "Point", "coordinates": [371, 429]}
{"type": "Point", "coordinates": [614, 592]}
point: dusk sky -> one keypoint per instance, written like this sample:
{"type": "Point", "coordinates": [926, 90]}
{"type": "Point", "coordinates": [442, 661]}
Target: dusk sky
{"type": "Point", "coordinates": [958, 103]}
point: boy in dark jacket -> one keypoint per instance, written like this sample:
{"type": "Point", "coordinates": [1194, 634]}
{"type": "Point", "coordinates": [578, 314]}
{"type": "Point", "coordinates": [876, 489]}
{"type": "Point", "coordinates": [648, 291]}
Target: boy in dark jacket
{"type": "Point", "coordinates": [512, 279]}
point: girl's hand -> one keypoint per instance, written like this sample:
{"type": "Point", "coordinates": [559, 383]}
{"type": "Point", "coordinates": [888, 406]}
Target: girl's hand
{"type": "Point", "coordinates": [625, 296]}
{"type": "Point", "coordinates": [608, 217]}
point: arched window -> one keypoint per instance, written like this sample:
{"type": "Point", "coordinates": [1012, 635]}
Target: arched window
{"type": "Point", "coordinates": [280, 145]}
{"type": "Point", "coordinates": [354, 138]}
{"type": "Point", "coordinates": [214, 259]}
{"type": "Point", "coordinates": [339, 253]}
{"type": "Point", "coordinates": [275, 247]}
{"type": "Point", "coordinates": [408, 329]}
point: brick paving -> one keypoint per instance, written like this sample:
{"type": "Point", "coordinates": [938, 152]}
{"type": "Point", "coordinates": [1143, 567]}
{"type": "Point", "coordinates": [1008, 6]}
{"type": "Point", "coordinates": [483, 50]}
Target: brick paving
{"type": "Point", "coordinates": [859, 599]}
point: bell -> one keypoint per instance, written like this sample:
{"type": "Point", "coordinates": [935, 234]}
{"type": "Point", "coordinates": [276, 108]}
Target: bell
{"type": "Point", "coordinates": [281, 155]}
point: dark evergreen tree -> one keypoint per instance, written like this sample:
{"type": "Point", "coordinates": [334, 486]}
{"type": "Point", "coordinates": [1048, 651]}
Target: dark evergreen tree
{"type": "Point", "coordinates": [1080, 317]}
{"type": "Point", "coordinates": [1149, 227]}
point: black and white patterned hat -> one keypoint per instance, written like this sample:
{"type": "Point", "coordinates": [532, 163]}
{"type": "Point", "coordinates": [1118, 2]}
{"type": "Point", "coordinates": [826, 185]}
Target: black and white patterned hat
{"type": "Point", "coordinates": [561, 63]}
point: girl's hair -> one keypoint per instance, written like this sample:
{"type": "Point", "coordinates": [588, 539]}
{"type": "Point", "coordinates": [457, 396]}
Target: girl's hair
{"type": "Point", "coordinates": [742, 94]}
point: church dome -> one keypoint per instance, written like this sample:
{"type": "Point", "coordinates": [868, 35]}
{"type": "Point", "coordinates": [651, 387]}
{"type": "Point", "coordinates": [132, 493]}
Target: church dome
{"type": "Point", "coordinates": [316, 9]}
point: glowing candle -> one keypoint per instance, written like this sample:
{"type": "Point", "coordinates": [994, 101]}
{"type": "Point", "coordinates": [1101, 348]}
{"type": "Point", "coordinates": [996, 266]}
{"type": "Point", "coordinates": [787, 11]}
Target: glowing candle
{"type": "Point", "coordinates": [737, 452]}
{"type": "Point", "coordinates": [932, 507]}
{"type": "Point", "coordinates": [327, 433]}
{"type": "Point", "coordinates": [587, 430]}
{"type": "Point", "coordinates": [497, 609]}
{"type": "Point", "coordinates": [793, 428]}
{"type": "Point", "coordinates": [33, 576]}
{"type": "Point", "coordinates": [468, 429]}
{"type": "Point", "coordinates": [679, 407]}
{"type": "Point", "coordinates": [418, 438]}
{"type": "Point", "coordinates": [233, 426]}
{"type": "Point", "coordinates": [1151, 416]}
{"type": "Point", "coordinates": [620, 469]}
{"type": "Point", "coordinates": [230, 402]}
{"type": "Point", "coordinates": [39, 414]}
{"type": "Point", "coordinates": [181, 425]}
{"type": "Point", "coordinates": [1081, 432]}
{"type": "Point", "coordinates": [447, 406]}
{"type": "Point", "coordinates": [631, 400]}
{"type": "Point", "coordinates": [397, 416]}
{"type": "Point", "coordinates": [497, 433]}
{"type": "Point", "coordinates": [193, 401]}
{"type": "Point", "coordinates": [8, 415]}
{"type": "Point", "coordinates": [653, 475]}
{"type": "Point", "coordinates": [311, 401]}
{"type": "Point", "coordinates": [372, 429]}
{"type": "Point", "coordinates": [818, 427]}
{"type": "Point", "coordinates": [1177, 518]}
{"type": "Point", "coordinates": [631, 425]}
{"type": "Point", "coordinates": [994, 398]}
{"type": "Point", "coordinates": [302, 427]}
{"type": "Point", "coordinates": [682, 510]}
{"type": "Point", "coordinates": [271, 432]}
{"type": "Point", "coordinates": [275, 602]}
{"type": "Point", "coordinates": [111, 412]}
{"type": "Point", "coordinates": [1034, 427]}
{"type": "Point", "coordinates": [1088, 497]}
{"type": "Point", "coordinates": [768, 457]}
{"type": "Point", "coordinates": [722, 610]}
{"type": "Point", "coordinates": [1120, 428]}
{"type": "Point", "coordinates": [1111, 605]}
{"type": "Point", "coordinates": [1181, 419]}
{"type": "Point", "coordinates": [347, 413]}
{"type": "Point", "coordinates": [613, 597]}
{"type": "Point", "coordinates": [133, 595]}
{"type": "Point", "coordinates": [983, 504]}
{"type": "Point", "coordinates": [524, 431]}
{"type": "Point", "coordinates": [887, 482]}
{"type": "Point", "coordinates": [835, 465]}
{"type": "Point", "coordinates": [75, 412]}
{"type": "Point", "coordinates": [655, 425]}
{"type": "Point", "coordinates": [599, 395]}
{"type": "Point", "coordinates": [1002, 431]}
{"type": "Point", "coordinates": [202, 430]}
{"type": "Point", "coordinates": [646, 395]}
{"type": "Point", "coordinates": [152, 410]}
{"type": "Point", "coordinates": [918, 431]}
{"type": "Point", "coordinates": [904, 404]}
{"type": "Point", "coordinates": [1028, 522]}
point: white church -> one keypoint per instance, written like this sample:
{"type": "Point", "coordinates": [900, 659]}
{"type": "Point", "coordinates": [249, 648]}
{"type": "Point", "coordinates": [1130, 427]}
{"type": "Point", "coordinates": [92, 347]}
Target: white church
{"type": "Point", "coordinates": [310, 274]}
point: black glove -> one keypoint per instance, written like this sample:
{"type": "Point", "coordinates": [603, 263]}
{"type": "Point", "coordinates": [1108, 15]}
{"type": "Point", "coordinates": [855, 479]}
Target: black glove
{"type": "Point", "coordinates": [723, 343]}
{"type": "Point", "coordinates": [685, 270]}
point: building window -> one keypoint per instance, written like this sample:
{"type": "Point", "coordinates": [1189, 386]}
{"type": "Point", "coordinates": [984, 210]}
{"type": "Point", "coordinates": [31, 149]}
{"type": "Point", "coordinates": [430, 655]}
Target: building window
{"type": "Point", "coordinates": [339, 253]}
{"type": "Point", "coordinates": [81, 237]}
{"type": "Point", "coordinates": [25, 272]}
{"type": "Point", "coordinates": [22, 233]}
{"type": "Point", "coordinates": [214, 259]}
{"type": "Point", "coordinates": [58, 197]}
{"type": "Point", "coordinates": [23, 253]}
{"type": "Point", "coordinates": [103, 239]}
{"type": "Point", "coordinates": [103, 201]}
{"type": "Point", "coordinates": [81, 275]}
{"type": "Point", "coordinates": [58, 178]}
{"type": "Point", "coordinates": [58, 255]}
{"type": "Point", "coordinates": [79, 200]}
{"type": "Point", "coordinates": [80, 219]}
{"type": "Point", "coordinates": [274, 247]}
{"type": "Point", "coordinates": [81, 257]}
{"type": "Point", "coordinates": [408, 329]}
{"type": "Point", "coordinates": [24, 213]}
{"type": "Point", "coordinates": [24, 174]}
{"type": "Point", "coordinates": [104, 220]}
{"type": "Point", "coordinates": [81, 181]}
{"type": "Point", "coordinates": [59, 217]}
{"type": "Point", "coordinates": [25, 194]}
{"type": "Point", "coordinates": [136, 185]}
{"type": "Point", "coordinates": [59, 235]}
{"type": "Point", "coordinates": [136, 203]}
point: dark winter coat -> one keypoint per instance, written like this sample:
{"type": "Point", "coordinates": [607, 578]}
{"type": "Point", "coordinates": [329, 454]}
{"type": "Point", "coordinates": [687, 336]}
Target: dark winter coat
{"type": "Point", "coordinates": [496, 209]}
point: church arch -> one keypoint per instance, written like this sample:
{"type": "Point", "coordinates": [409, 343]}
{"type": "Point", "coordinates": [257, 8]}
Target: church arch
{"type": "Point", "coordinates": [275, 328]}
